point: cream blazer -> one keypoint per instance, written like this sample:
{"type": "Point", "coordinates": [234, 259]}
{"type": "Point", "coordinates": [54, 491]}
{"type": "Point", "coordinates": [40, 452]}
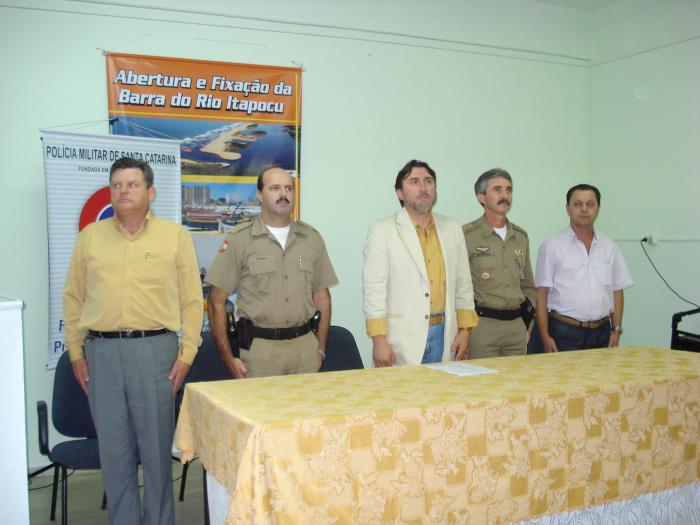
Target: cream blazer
{"type": "Point", "coordinates": [395, 282]}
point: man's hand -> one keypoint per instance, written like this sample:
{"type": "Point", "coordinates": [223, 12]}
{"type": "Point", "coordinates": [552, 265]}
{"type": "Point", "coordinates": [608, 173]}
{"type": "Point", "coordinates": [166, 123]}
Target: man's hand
{"type": "Point", "coordinates": [382, 353]}
{"type": "Point", "coordinates": [177, 374]}
{"type": "Point", "coordinates": [80, 371]}
{"type": "Point", "coordinates": [614, 339]}
{"type": "Point", "coordinates": [237, 368]}
{"type": "Point", "coordinates": [319, 361]}
{"type": "Point", "coordinates": [460, 346]}
{"type": "Point", "coordinates": [548, 343]}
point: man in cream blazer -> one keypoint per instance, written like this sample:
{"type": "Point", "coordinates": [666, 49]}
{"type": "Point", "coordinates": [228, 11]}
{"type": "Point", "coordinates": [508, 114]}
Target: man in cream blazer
{"type": "Point", "coordinates": [418, 297]}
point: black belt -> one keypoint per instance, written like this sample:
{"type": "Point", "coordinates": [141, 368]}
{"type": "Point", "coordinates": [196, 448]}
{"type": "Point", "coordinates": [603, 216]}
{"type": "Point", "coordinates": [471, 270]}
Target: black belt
{"type": "Point", "coordinates": [128, 334]}
{"type": "Point", "coordinates": [277, 334]}
{"type": "Point", "coordinates": [501, 315]}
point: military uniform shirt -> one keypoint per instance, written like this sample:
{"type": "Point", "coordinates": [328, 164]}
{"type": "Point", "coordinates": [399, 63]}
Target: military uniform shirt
{"type": "Point", "coordinates": [501, 270]}
{"type": "Point", "coordinates": [274, 285]}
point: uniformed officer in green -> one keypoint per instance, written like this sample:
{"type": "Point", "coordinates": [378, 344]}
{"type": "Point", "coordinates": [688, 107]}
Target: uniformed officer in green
{"type": "Point", "coordinates": [499, 258]}
{"type": "Point", "coordinates": [282, 273]}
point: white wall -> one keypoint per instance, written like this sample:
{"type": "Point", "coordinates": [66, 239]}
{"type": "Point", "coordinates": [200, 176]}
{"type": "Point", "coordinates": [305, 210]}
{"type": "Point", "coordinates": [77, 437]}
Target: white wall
{"type": "Point", "coordinates": [486, 83]}
{"type": "Point", "coordinates": [645, 152]}
{"type": "Point", "coordinates": [629, 27]}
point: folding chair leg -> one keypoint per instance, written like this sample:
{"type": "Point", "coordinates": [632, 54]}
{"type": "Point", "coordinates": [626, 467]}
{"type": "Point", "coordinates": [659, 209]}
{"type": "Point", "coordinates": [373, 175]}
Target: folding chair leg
{"type": "Point", "coordinates": [64, 495]}
{"type": "Point", "coordinates": [183, 481]}
{"type": "Point", "coordinates": [54, 491]}
{"type": "Point", "coordinates": [206, 496]}
{"type": "Point", "coordinates": [41, 470]}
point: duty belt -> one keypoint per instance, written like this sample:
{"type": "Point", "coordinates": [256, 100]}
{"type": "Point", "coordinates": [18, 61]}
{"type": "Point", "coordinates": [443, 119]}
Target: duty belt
{"type": "Point", "coordinates": [128, 334]}
{"type": "Point", "coordinates": [280, 333]}
{"type": "Point", "coordinates": [501, 315]}
{"type": "Point", "coordinates": [580, 324]}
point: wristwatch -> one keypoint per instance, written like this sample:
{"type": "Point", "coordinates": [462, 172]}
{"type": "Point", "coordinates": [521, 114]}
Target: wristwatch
{"type": "Point", "coordinates": [617, 328]}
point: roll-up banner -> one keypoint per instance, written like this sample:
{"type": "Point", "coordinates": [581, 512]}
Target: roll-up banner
{"type": "Point", "coordinates": [76, 167]}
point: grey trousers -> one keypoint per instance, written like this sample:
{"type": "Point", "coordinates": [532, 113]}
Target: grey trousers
{"type": "Point", "coordinates": [134, 414]}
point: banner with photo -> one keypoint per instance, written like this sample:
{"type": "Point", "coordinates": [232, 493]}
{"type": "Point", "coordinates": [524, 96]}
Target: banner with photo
{"type": "Point", "coordinates": [76, 167]}
{"type": "Point", "coordinates": [233, 119]}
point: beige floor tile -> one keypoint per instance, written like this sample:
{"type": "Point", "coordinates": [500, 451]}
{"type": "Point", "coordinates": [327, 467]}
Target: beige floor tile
{"type": "Point", "coordinates": [85, 498]}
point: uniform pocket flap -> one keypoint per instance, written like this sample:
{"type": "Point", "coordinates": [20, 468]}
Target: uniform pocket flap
{"type": "Point", "coordinates": [262, 265]}
{"type": "Point", "coordinates": [306, 265]}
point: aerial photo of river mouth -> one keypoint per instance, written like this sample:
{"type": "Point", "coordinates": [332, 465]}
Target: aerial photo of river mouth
{"type": "Point", "coordinates": [216, 148]}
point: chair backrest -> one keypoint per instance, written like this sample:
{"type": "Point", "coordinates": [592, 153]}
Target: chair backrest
{"type": "Point", "coordinates": [680, 339]}
{"type": "Point", "coordinates": [341, 352]}
{"type": "Point", "coordinates": [70, 411]}
{"type": "Point", "coordinates": [207, 365]}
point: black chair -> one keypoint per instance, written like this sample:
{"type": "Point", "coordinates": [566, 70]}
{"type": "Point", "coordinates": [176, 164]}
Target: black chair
{"type": "Point", "coordinates": [207, 366]}
{"type": "Point", "coordinates": [680, 339]}
{"type": "Point", "coordinates": [70, 414]}
{"type": "Point", "coordinates": [341, 351]}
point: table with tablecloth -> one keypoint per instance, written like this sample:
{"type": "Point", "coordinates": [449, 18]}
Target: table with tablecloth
{"type": "Point", "coordinates": [544, 434]}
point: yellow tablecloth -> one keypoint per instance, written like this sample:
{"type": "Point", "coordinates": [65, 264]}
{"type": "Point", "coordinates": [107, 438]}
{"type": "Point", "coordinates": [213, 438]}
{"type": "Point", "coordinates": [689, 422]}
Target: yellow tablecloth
{"type": "Point", "coordinates": [546, 434]}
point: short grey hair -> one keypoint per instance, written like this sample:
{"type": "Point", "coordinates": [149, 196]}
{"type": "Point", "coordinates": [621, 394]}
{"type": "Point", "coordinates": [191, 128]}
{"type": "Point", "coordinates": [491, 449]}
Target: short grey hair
{"type": "Point", "coordinates": [484, 178]}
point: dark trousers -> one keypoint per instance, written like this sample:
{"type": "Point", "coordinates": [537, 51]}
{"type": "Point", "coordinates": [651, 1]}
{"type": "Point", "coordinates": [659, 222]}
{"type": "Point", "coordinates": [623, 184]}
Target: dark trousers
{"type": "Point", "coordinates": [569, 337]}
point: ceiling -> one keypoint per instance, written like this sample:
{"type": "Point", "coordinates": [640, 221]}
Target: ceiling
{"type": "Point", "coordinates": [579, 4]}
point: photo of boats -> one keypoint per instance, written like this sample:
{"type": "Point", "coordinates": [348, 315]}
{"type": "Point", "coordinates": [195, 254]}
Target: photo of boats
{"type": "Point", "coordinates": [217, 206]}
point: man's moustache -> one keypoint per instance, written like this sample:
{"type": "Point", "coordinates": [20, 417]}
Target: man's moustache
{"type": "Point", "coordinates": [283, 199]}
{"type": "Point", "coordinates": [504, 201]}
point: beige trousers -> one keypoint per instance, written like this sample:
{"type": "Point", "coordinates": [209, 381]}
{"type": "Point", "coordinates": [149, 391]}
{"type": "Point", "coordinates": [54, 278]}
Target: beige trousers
{"type": "Point", "coordinates": [494, 338]}
{"type": "Point", "coordinates": [287, 356]}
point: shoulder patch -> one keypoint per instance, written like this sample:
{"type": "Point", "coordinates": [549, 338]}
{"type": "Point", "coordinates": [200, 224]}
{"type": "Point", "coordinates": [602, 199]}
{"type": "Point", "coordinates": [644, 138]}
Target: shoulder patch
{"type": "Point", "coordinates": [224, 246]}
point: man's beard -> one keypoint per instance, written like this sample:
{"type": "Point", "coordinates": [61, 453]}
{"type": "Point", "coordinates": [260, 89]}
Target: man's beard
{"type": "Point", "coordinates": [423, 207]}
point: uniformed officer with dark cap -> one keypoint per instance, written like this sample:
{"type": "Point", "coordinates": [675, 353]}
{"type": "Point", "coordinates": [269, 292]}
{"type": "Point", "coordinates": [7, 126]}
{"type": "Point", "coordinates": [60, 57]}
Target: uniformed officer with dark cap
{"type": "Point", "coordinates": [499, 258]}
{"type": "Point", "coordinates": [282, 272]}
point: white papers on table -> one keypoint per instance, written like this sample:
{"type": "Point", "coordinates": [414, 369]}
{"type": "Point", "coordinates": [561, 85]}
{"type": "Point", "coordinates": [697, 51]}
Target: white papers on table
{"type": "Point", "coordinates": [462, 369]}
